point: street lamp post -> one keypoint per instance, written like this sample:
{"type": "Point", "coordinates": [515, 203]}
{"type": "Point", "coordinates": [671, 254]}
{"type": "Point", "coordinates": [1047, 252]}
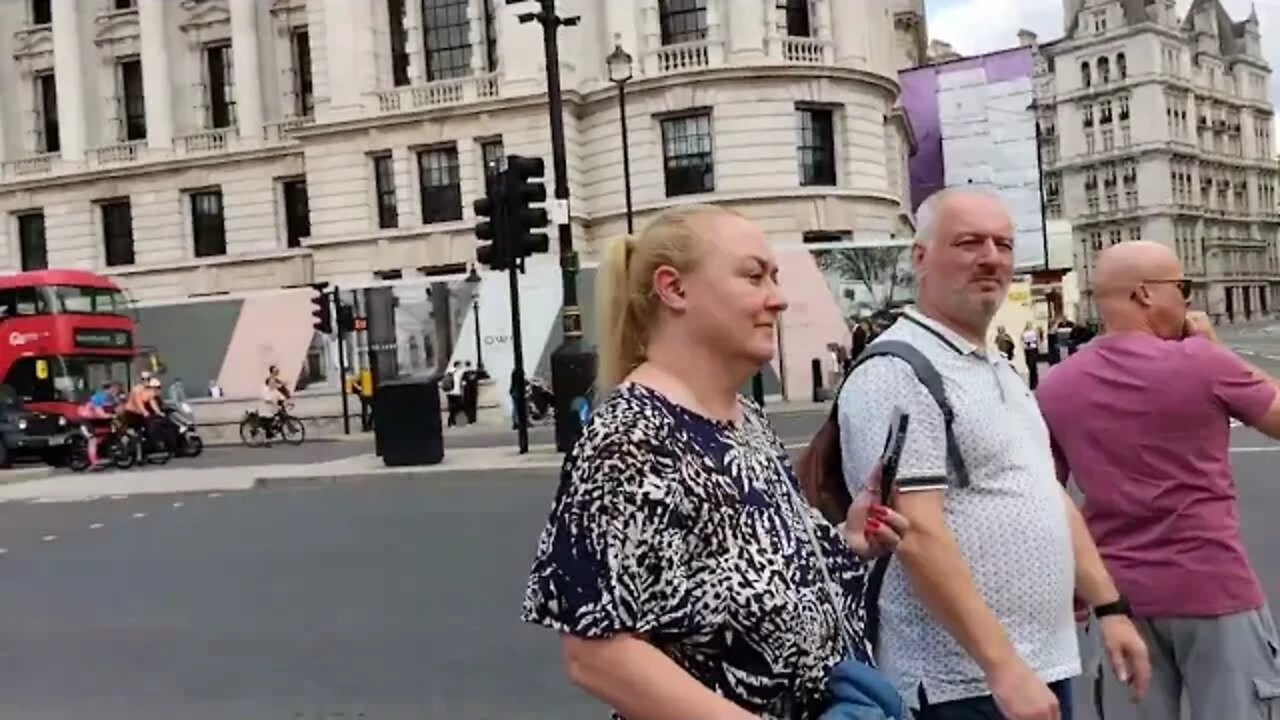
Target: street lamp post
{"type": "Point", "coordinates": [473, 279]}
{"type": "Point", "coordinates": [620, 72]}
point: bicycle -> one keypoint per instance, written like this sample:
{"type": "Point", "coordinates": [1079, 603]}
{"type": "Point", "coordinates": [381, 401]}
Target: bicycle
{"type": "Point", "coordinates": [257, 431]}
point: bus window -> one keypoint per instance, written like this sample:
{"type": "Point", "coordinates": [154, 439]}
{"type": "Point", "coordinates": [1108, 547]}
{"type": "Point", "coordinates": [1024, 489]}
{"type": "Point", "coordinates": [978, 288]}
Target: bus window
{"type": "Point", "coordinates": [8, 299]}
{"type": "Point", "coordinates": [88, 300]}
{"type": "Point", "coordinates": [25, 381]}
{"type": "Point", "coordinates": [30, 301]}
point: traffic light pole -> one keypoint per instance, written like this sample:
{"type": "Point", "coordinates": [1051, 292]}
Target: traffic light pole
{"type": "Point", "coordinates": [573, 364]}
{"type": "Point", "coordinates": [518, 385]}
{"type": "Point", "coordinates": [342, 361]}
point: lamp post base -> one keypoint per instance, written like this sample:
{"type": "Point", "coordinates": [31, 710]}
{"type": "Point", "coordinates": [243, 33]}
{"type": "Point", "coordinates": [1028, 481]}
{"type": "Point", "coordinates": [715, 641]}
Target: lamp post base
{"type": "Point", "coordinates": [573, 373]}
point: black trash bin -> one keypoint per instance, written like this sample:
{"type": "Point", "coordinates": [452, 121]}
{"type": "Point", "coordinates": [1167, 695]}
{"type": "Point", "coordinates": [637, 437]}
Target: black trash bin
{"type": "Point", "coordinates": [406, 422]}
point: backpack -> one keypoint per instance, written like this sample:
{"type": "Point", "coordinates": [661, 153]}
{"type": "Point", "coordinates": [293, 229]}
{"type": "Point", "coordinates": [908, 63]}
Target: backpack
{"type": "Point", "coordinates": [821, 473]}
{"type": "Point", "coordinates": [446, 382]}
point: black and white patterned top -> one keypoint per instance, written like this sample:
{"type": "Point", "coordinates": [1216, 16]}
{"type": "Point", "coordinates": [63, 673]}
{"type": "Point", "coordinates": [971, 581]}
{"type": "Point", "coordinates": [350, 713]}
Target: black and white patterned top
{"type": "Point", "coordinates": [684, 530]}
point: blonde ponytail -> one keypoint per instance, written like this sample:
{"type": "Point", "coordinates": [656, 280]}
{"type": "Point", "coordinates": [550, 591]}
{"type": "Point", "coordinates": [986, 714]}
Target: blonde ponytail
{"type": "Point", "coordinates": [626, 304]}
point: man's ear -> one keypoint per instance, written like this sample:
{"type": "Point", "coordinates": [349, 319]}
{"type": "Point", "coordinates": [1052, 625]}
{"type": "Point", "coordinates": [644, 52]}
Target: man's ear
{"type": "Point", "coordinates": [668, 285]}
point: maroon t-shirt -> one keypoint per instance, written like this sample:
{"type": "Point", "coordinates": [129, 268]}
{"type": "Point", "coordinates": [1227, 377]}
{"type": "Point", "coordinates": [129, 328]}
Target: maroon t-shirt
{"type": "Point", "coordinates": [1142, 426]}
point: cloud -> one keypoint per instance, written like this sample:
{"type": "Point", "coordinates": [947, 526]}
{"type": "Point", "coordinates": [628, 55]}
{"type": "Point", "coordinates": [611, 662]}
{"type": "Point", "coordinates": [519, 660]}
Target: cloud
{"type": "Point", "coordinates": [980, 26]}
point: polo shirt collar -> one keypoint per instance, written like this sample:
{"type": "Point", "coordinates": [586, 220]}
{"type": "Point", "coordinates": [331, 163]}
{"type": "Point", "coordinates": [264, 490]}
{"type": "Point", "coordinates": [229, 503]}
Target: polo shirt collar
{"type": "Point", "coordinates": [942, 332]}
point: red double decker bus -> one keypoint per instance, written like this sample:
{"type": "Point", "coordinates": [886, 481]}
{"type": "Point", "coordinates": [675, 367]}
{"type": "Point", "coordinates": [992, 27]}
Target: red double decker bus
{"type": "Point", "coordinates": [62, 334]}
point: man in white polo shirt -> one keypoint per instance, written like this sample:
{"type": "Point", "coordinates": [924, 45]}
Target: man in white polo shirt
{"type": "Point", "coordinates": [976, 617]}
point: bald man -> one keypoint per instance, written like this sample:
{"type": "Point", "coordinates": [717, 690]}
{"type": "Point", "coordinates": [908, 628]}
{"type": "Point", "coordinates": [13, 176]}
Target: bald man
{"type": "Point", "coordinates": [1139, 419]}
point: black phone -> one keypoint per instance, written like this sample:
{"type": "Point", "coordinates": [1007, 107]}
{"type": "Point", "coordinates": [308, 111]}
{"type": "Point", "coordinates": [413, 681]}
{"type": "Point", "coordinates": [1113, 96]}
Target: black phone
{"type": "Point", "coordinates": [893, 446]}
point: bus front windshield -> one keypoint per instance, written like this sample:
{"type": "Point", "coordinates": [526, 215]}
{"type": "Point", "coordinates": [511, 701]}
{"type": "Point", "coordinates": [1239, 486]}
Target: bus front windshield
{"type": "Point", "coordinates": [87, 300]}
{"type": "Point", "coordinates": [65, 379]}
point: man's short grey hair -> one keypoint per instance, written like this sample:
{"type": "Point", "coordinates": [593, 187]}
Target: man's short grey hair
{"type": "Point", "coordinates": [927, 213]}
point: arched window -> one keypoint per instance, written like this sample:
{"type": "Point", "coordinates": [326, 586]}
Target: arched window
{"type": "Point", "coordinates": [1104, 70]}
{"type": "Point", "coordinates": [1086, 74]}
{"type": "Point", "coordinates": [1122, 66]}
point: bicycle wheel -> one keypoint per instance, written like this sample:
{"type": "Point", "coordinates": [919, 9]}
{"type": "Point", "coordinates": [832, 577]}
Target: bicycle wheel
{"type": "Point", "coordinates": [293, 431]}
{"type": "Point", "coordinates": [123, 451]}
{"type": "Point", "coordinates": [78, 453]}
{"type": "Point", "coordinates": [251, 432]}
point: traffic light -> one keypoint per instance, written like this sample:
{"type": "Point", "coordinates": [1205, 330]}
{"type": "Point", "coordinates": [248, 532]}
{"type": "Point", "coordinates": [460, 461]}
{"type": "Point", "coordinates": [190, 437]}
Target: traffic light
{"type": "Point", "coordinates": [346, 318]}
{"type": "Point", "coordinates": [524, 187]}
{"type": "Point", "coordinates": [492, 252]}
{"type": "Point", "coordinates": [323, 312]}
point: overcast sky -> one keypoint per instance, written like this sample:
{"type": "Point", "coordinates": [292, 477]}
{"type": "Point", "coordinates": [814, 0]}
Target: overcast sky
{"type": "Point", "coordinates": [978, 26]}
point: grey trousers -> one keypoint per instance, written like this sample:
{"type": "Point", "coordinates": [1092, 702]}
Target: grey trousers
{"type": "Point", "coordinates": [1225, 668]}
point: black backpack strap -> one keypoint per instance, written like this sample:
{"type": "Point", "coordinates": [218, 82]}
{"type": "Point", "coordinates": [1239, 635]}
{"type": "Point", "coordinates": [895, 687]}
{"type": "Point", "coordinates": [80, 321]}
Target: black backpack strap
{"type": "Point", "coordinates": [928, 376]}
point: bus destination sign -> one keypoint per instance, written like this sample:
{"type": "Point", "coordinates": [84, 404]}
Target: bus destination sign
{"type": "Point", "coordinates": [108, 339]}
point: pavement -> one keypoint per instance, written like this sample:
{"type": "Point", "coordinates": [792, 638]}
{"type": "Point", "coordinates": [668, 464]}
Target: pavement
{"type": "Point", "coordinates": [260, 591]}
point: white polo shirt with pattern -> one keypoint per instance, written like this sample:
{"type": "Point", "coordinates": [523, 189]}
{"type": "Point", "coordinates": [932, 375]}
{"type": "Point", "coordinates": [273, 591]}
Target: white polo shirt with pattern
{"type": "Point", "coordinates": [1011, 522]}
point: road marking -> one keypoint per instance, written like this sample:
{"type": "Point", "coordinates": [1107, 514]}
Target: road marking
{"type": "Point", "coordinates": [139, 515]}
{"type": "Point", "coordinates": [214, 495]}
{"type": "Point", "coordinates": [96, 526]}
{"type": "Point", "coordinates": [49, 538]}
{"type": "Point", "coordinates": [177, 504]}
{"type": "Point", "coordinates": [119, 497]}
{"type": "Point", "coordinates": [4, 551]}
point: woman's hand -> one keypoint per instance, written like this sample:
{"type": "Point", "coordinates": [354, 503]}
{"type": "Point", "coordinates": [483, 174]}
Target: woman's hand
{"type": "Point", "coordinates": [872, 529]}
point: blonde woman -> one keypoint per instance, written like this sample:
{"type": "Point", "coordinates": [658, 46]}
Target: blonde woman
{"type": "Point", "coordinates": [686, 573]}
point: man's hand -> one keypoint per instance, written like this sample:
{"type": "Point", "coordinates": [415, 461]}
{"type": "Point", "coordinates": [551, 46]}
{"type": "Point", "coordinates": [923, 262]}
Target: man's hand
{"type": "Point", "coordinates": [1021, 694]}
{"type": "Point", "coordinates": [1127, 652]}
{"type": "Point", "coordinates": [1198, 324]}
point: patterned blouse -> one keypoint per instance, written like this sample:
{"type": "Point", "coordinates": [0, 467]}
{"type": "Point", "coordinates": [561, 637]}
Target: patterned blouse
{"type": "Point", "coordinates": [685, 530]}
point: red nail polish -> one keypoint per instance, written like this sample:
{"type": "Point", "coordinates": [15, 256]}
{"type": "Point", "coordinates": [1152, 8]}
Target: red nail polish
{"type": "Point", "coordinates": [873, 524]}
{"type": "Point", "coordinates": [880, 511]}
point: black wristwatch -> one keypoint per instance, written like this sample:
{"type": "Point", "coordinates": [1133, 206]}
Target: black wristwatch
{"type": "Point", "coordinates": [1119, 607]}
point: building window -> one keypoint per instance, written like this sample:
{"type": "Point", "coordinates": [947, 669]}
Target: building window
{"type": "Point", "coordinates": [297, 214]}
{"type": "Point", "coordinates": [47, 113]}
{"type": "Point", "coordinates": [117, 232]}
{"type": "Point", "coordinates": [399, 43]}
{"type": "Point", "coordinates": [133, 101]}
{"type": "Point", "coordinates": [41, 12]}
{"type": "Point", "coordinates": [1090, 143]}
{"type": "Point", "coordinates": [687, 158]}
{"type": "Point", "coordinates": [1086, 74]}
{"type": "Point", "coordinates": [448, 38]}
{"type": "Point", "coordinates": [1108, 140]}
{"type": "Point", "coordinates": [797, 14]}
{"type": "Point", "coordinates": [440, 185]}
{"type": "Point", "coordinates": [207, 225]}
{"type": "Point", "coordinates": [384, 183]}
{"type": "Point", "coordinates": [32, 249]}
{"type": "Point", "coordinates": [682, 21]}
{"type": "Point", "coordinates": [1086, 113]}
{"type": "Point", "coordinates": [1100, 21]}
{"type": "Point", "coordinates": [124, 4]}
{"type": "Point", "coordinates": [1104, 70]}
{"type": "Point", "coordinates": [1104, 113]}
{"type": "Point", "coordinates": [490, 36]}
{"type": "Point", "coordinates": [817, 148]}
{"type": "Point", "coordinates": [1122, 66]}
{"type": "Point", "coordinates": [491, 156]}
{"type": "Point", "coordinates": [304, 103]}
{"type": "Point", "coordinates": [221, 86]}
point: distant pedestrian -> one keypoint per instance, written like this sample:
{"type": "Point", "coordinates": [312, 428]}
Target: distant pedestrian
{"type": "Point", "coordinates": [470, 392]}
{"type": "Point", "coordinates": [451, 383]}
{"type": "Point", "coordinates": [215, 390]}
{"type": "Point", "coordinates": [1031, 353]}
{"type": "Point", "coordinates": [1005, 344]}
{"type": "Point", "coordinates": [1140, 420]}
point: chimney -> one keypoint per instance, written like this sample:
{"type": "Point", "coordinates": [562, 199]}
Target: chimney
{"type": "Point", "coordinates": [1026, 38]}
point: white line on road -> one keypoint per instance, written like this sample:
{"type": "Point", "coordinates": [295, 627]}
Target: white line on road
{"type": "Point", "coordinates": [96, 526]}
{"type": "Point", "coordinates": [177, 504]}
{"type": "Point", "coordinates": [119, 497]}
{"type": "Point", "coordinates": [214, 495]}
{"type": "Point", "coordinates": [4, 551]}
{"type": "Point", "coordinates": [139, 515]}
{"type": "Point", "coordinates": [49, 538]}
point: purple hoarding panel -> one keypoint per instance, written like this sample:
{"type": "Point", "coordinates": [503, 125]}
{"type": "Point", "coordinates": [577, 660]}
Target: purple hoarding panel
{"type": "Point", "coordinates": [920, 100]}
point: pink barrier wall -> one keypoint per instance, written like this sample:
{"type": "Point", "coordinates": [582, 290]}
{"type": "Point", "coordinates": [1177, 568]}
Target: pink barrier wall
{"type": "Point", "coordinates": [272, 329]}
{"type": "Point", "coordinates": [813, 319]}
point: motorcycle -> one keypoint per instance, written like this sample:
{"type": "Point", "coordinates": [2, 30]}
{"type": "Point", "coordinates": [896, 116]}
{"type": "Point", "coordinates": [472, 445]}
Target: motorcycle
{"type": "Point", "coordinates": [117, 445]}
{"type": "Point", "coordinates": [187, 440]}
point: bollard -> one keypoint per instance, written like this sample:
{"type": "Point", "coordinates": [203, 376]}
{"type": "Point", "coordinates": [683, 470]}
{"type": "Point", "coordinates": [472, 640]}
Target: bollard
{"type": "Point", "coordinates": [757, 388]}
{"type": "Point", "coordinates": [816, 366]}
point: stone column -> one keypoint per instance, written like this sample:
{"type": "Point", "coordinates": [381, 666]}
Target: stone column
{"type": "Point", "coordinates": [852, 22]}
{"type": "Point", "coordinates": [68, 70]}
{"type": "Point", "coordinates": [156, 90]}
{"type": "Point", "coordinates": [246, 70]}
